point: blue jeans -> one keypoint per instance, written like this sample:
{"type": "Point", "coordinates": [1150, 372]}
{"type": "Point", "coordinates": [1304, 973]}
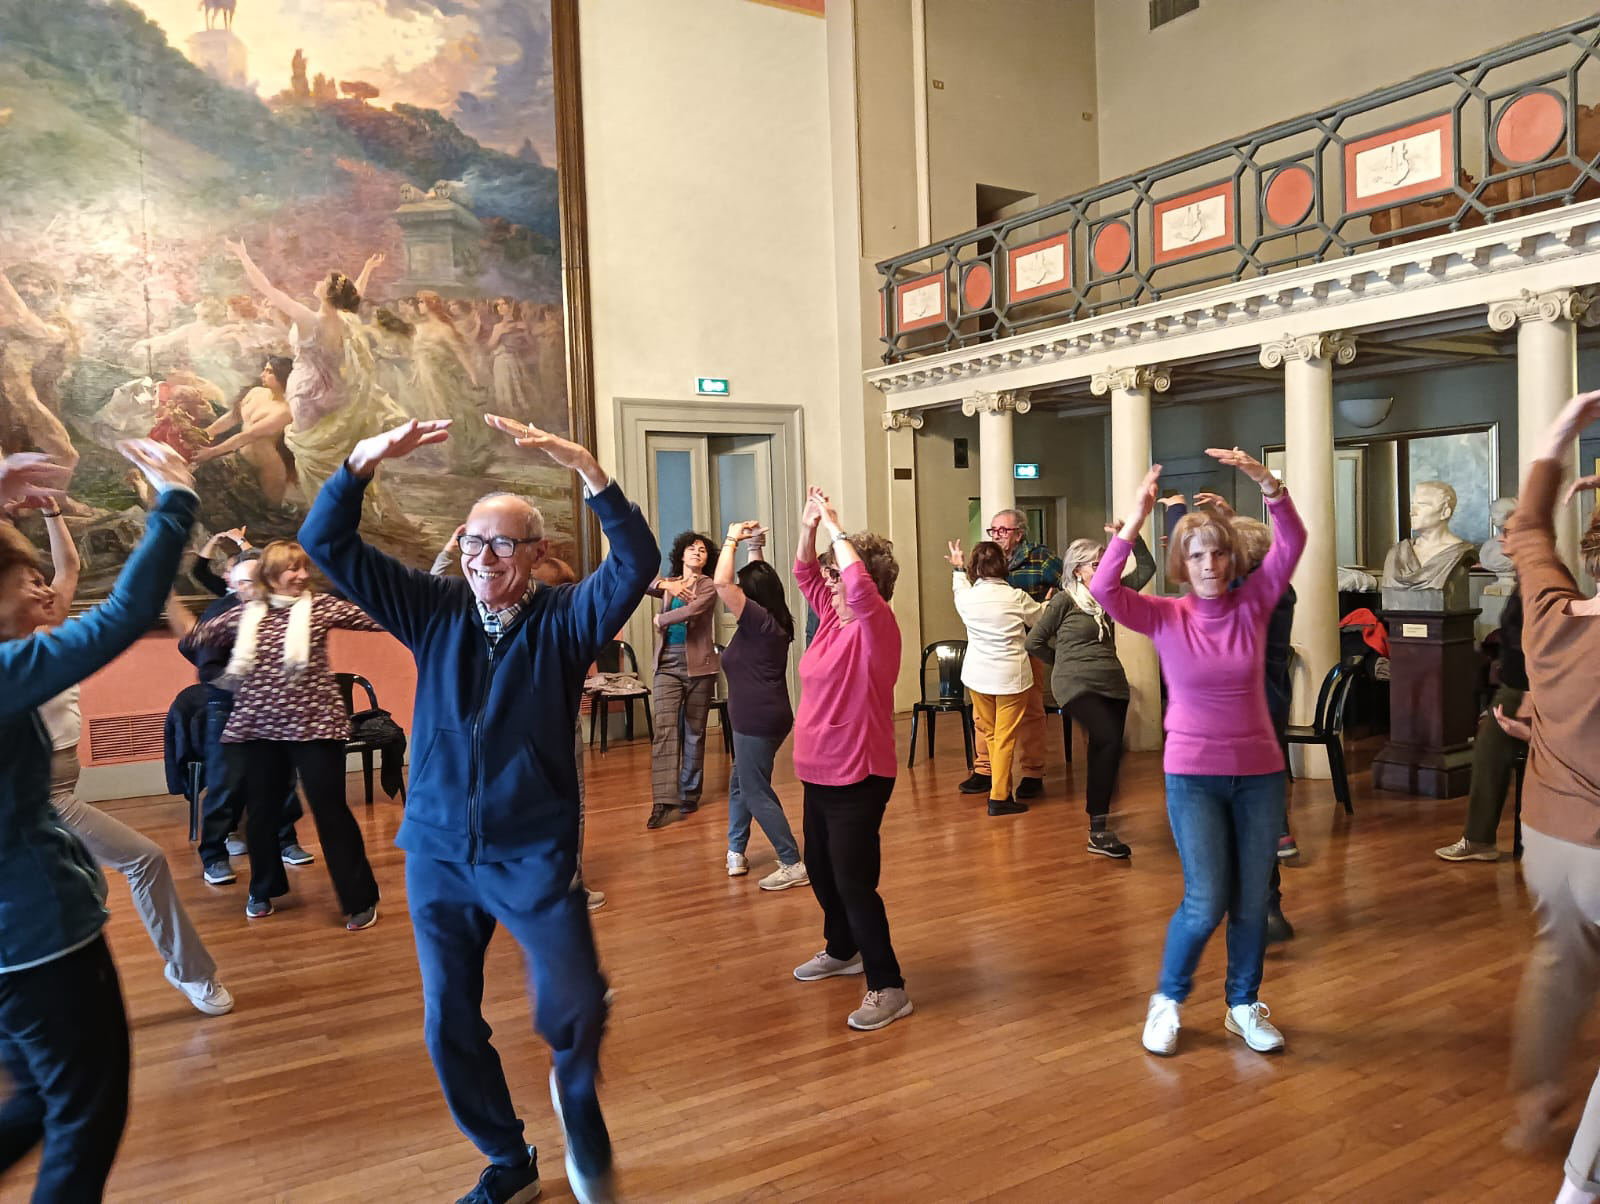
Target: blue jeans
{"type": "Point", "coordinates": [1227, 833]}
{"type": "Point", "coordinates": [750, 793]}
{"type": "Point", "coordinates": [455, 909]}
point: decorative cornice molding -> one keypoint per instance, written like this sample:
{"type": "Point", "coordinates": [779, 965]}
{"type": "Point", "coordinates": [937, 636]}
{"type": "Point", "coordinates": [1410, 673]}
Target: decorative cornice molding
{"type": "Point", "coordinates": [1569, 304]}
{"type": "Point", "coordinates": [1552, 250]}
{"type": "Point", "coordinates": [894, 420]}
{"type": "Point", "coordinates": [1147, 377]}
{"type": "Point", "coordinates": [1002, 402]}
{"type": "Point", "coordinates": [1334, 346]}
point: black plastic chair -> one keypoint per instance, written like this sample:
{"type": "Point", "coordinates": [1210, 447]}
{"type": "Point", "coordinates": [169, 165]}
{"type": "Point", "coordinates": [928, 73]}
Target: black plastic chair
{"type": "Point", "coordinates": [1051, 708]}
{"type": "Point", "coordinates": [1328, 730]}
{"type": "Point", "coordinates": [611, 659]}
{"type": "Point", "coordinates": [951, 655]}
{"type": "Point", "coordinates": [719, 704]}
{"type": "Point", "coordinates": [347, 690]}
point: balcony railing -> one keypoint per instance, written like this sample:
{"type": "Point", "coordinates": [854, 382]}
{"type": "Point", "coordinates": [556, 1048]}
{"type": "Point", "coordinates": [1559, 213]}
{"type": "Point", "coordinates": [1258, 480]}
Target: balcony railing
{"type": "Point", "coordinates": [1492, 138]}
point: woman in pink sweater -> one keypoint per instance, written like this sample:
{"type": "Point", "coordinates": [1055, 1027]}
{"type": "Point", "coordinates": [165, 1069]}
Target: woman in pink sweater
{"type": "Point", "coordinates": [1225, 780]}
{"type": "Point", "coordinates": [844, 752]}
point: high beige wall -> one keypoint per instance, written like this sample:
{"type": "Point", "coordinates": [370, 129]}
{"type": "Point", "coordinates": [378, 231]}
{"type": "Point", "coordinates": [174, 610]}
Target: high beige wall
{"type": "Point", "coordinates": [1018, 77]}
{"type": "Point", "coordinates": [1071, 453]}
{"type": "Point", "coordinates": [1233, 66]}
{"type": "Point", "coordinates": [710, 213]}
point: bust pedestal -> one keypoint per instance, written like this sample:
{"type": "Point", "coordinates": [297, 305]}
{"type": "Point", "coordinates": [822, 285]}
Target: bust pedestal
{"type": "Point", "coordinates": [1433, 678]}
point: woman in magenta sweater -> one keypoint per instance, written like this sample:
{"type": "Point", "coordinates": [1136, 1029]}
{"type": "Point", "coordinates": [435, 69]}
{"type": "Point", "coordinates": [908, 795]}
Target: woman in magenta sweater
{"type": "Point", "coordinates": [1225, 780]}
{"type": "Point", "coordinates": [844, 752]}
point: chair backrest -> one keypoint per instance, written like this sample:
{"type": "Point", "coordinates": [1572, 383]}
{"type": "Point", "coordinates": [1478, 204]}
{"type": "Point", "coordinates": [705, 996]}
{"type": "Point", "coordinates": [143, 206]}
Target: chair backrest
{"type": "Point", "coordinates": [1333, 695]}
{"type": "Point", "coordinates": [347, 690]}
{"type": "Point", "coordinates": [951, 655]}
{"type": "Point", "coordinates": [612, 655]}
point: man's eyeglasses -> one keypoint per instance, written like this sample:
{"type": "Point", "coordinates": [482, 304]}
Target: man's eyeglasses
{"type": "Point", "coordinates": [502, 545]}
{"type": "Point", "coordinates": [997, 532]}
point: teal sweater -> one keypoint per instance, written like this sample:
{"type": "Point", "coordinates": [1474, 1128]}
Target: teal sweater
{"type": "Point", "coordinates": [52, 897]}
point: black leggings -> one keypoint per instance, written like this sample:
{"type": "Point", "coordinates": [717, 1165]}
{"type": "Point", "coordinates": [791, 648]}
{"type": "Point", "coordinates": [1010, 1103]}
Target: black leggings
{"type": "Point", "coordinates": [1103, 720]}
{"type": "Point", "coordinates": [268, 769]}
{"type": "Point", "coordinates": [843, 858]}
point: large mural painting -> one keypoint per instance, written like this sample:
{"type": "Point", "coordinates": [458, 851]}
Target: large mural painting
{"type": "Point", "coordinates": [260, 230]}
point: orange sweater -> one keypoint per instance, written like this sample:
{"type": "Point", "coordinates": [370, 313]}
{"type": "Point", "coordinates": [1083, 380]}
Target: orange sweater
{"type": "Point", "coordinates": [1561, 797]}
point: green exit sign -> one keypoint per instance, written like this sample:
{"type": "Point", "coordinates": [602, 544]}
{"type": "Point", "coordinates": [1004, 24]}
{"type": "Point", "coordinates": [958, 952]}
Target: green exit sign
{"type": "Point", "coordinates": [712, 386]}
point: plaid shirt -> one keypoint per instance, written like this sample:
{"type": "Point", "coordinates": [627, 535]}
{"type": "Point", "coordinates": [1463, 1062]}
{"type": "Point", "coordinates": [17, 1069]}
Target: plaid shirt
{"type": "Point", "coordinates": [495, 622]}
{"type": "Point", "coordinates": [1035, 570]}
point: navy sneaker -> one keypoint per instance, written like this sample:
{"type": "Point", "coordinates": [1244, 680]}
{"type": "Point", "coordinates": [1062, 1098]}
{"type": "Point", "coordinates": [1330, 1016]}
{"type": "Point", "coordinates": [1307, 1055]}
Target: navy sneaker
{"type": "Point", "coordinates": [506, 1184]}
{"type": "Point", "coordinates": [258, 909]}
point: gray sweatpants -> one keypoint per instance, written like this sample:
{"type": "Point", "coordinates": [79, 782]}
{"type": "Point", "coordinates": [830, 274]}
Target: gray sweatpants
{"type": "Point", "coordinates": [117, 846]}
{"type": "Point", "coordinates": [1560, 982]}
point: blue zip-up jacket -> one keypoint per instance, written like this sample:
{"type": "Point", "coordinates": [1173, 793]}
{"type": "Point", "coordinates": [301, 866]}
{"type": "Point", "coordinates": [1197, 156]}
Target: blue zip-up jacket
{"type": "Point", "coordinates": [493, 777]}
{"type": "Point", "coordinates": [52, 897]}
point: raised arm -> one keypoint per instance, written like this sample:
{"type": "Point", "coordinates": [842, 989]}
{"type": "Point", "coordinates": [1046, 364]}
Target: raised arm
{"type": "Point", "coordinates": [1144, 566]}
{"type": "Point", "coordinates": [64, 562]}
{"type": "Point", "coordinates": [37, 668]}
{"type": "Point", "coordinates": [400, 598]}
{"type": "Point", "coordinates": [860, 591]}
{"type": "Point", "coordinates": [806, 573]}
{"type": "Point", "coordinates": [365, 278]}
{"type": "Point", "coordinates": [727, 587]}
{"type": "Point", "coordinates": [1135, 611]}
{"type": "Point", "coordinates": [1531, 536]}
{"type": "Point", "coordinates": [297, 312]}
{"type": "Point", "coordinates": [1266, 584]}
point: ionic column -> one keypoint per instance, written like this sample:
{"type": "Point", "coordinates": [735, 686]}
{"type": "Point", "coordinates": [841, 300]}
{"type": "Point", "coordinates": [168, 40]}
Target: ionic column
{"type": "Point", "coordinates": [1547, 375]}
{"type": "Point", "coordinates": [1308, 362]}
{"type": "Point", "coordinates": [996, 486]}
{"type": "Point", "coordinates": [1130, 390]}
{"type": "Point", "coordinates": [907, 600]}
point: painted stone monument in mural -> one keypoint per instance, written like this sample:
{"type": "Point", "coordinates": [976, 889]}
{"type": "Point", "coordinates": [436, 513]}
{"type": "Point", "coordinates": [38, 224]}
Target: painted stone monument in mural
{"type": "Point", "coordinates": [259, 230]}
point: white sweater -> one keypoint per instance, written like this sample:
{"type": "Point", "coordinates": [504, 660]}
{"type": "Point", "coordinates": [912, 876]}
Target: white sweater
{"type": "Point", "coordinates": [997, 617]}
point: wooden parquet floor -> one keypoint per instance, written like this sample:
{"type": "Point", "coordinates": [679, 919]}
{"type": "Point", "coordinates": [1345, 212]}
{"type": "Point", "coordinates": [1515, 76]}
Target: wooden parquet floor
{"type": "Point", "coordinates": [1020, 1077]}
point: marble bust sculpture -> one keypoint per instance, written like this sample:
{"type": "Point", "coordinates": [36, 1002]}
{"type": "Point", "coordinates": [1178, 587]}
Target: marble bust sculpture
{"type": "Point", "coordinates": [1492, 555]}
{"type": "Point", "coordinates": [1428, 571]}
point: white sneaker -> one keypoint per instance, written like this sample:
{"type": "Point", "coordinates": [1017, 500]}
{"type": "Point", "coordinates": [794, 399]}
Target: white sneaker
{"type": "Point", "coordinates": [1161, 1026]}
{"type": "Point", "coordinates": [1250, 1021]}
{"type": "Point", "coordinates": [738, 867]}
{"type": "Point", "coordinates": [235, 846]}
{"type": "Point", "coordinates": [596, 899]}
{"type": "Point", "coordinates": [823, 966]}
{"type": "Point", "coordinates": [209, 996]}
{"type": "Point", "coordinates": [786, 876]}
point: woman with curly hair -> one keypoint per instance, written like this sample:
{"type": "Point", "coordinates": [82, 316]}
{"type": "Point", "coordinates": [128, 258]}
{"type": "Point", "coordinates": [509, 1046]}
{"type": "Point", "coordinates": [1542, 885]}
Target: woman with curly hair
{"type": "Point", "coordinates": [996, 669]}
{"type": "Point", "coordinates": [288, 720]}
{"type": "Point", "coordinates": [844, 753]}
{"type": "Point", "coordinates": [685, 679]}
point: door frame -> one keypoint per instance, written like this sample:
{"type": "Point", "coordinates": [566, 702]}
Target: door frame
{"type": "Point", "coordinates": [638, 417]}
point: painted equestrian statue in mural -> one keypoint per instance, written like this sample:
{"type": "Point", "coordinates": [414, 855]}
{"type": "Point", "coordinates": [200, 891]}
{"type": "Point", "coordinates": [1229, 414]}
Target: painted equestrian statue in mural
{"type": "Point", "coordinates": [261, 241]}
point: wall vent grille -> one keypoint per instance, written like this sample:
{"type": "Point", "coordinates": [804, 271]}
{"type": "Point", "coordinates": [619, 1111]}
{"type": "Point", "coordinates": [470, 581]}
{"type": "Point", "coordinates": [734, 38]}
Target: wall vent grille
{"type": "Point", "coordinates": [126, 738]}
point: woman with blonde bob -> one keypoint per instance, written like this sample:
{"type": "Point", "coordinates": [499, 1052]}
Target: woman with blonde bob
{"type": "Point", "coordinates": [289, 720]}
{"type": "Point", "coordinates": [996, 668]}
{"type": "Point", "coordinates": [1225, 780]}
{"type": "Point", "coordinates": [1079, 640]}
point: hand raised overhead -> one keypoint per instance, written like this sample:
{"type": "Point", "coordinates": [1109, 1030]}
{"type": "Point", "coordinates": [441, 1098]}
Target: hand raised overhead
{"type": "Point", "coordinates": [396, 443]}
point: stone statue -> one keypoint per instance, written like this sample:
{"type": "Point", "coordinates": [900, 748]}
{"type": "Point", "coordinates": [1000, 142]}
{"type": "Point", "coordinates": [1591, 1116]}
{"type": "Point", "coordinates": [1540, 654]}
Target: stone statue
{"type": "Point", "coordinates": [1429, 570]}
{"type": "Point", "coordinates": [1492, 555]}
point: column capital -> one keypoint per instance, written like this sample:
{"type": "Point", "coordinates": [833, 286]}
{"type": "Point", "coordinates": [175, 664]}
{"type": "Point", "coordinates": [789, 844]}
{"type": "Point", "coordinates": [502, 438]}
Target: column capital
{"type": "Point", "coordinates": [1568, 304]}
{"type": "Point", "coordinates": [1334, 346]}
{"type": "Point", "coordinates": [895, 420]}
{"type": "Point", "coordinates": [1151, 376]}
{"type": "Point", "coordinates": [1003, 401]}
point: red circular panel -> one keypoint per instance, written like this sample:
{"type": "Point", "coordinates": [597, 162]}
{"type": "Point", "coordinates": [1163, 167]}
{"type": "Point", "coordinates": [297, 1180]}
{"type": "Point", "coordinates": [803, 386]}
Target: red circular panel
{"type": "Point", "coordinates": [1112, 246]}
{"type": "Point", "coordinates": [978, 286]}
{"type": "Point", "coordinates": [1288, 196]}
{"type": "Point", "coordinates": [1530, 127]}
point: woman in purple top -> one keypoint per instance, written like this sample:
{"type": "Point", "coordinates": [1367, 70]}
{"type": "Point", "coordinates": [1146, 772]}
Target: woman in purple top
{"type": "Point", "coordinates": [844, 752]}
{"type": "Point", "coordinates": [1225, 780]}
{"type": "Point", "coordinates": [756, 663]}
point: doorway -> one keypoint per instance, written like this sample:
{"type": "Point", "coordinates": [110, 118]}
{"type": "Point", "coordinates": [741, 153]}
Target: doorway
{"type": "Point", "coordinates": [706, 483]}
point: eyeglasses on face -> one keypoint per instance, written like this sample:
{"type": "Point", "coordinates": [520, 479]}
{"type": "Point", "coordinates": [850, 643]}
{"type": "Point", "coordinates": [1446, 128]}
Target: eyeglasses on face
{"type": "Point", "coordinates": [502, 545]}
{"type": "Point", "coordinates": [997, 532]}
